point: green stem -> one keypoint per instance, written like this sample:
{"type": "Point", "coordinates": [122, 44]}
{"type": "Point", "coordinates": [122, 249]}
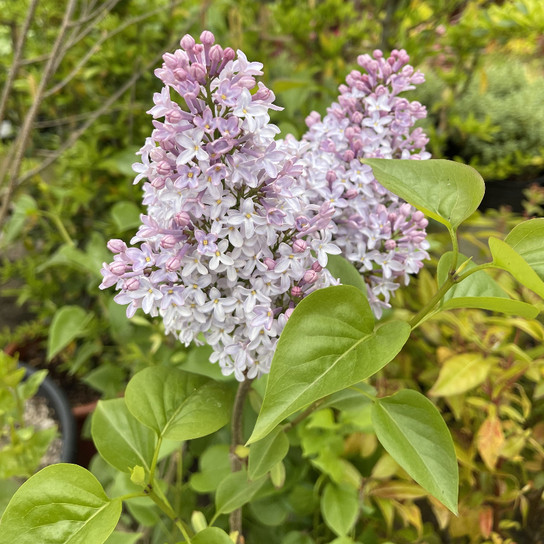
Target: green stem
{"type": "Point", "coordinates": [155, 459]}
{"type": "Point", "coordinates": [129, 496]}
{"type": "Point", "coordinates": [473, 270]}
{"type": "Point", "coordinates": [168, 510]}
{"type": "Point", "coordinates": [60, 227]}
{"type": "Point", "coordinates": [455, 249]}
{"type": "Point", "coordinates": [437, 297]}
{"type": "Point", "coordinates": [303, 415]}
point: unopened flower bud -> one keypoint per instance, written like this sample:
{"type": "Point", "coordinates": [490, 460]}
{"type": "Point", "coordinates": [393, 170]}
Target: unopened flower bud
{"type": "Point", "coordinates": [207, 38]}
{"type": "Point", "coordinates": [156, 155]}
{"type": "Point", "coordinates": [118, 268]}
{"type": "Point", "coordinates": [349, 155]}
{"type": "Point", "coordinates": [310, 276]}
{"type": "Point", "coordinates": [216, 53]}
{"type": "Point", "coordinates": [390, 245]}
{"type": "Point", "coordinates": [131, 284]}
{"type": "Point", "coordinates": [182, 219]}
{"type": "Point", "coordinates": [163, 168]}
{"type": "Point", "coordinates": [229, 54]}
{"type": "Point", "coordinates": [418, 216]}
{"type": "Point", "coordinates": [198, 72]}
{"type": "Point", "coordinates": [299, 246]}
{"type": "Point", "coordinates": [173, 116]}
{"type": "Point", "coordinates": [296, 291]}
{"type": "Point", "coordinates": [168, 241]}
{"type": "Point", "coordinates": [312, 119]}
{"type": "Point", "coordinates": [187, 42]}
{"type": "Point", "coordinates": [288, 312]}
{"type": "Point", "coordinates": [331, 176]}
{"type": "Point", "coordinates": [357, 117]}
{"type": "Point", "coordinates": [317, 267]}
{"type": "Point", "coordinates": [173, 263]}
{"type": "Point", "coordinates": [116, 246]}
{"type": "Point", "coordinates": [350, 194]}
{"type": "Point", "coordinates": [180, 74]}
{"type": "Point", "coordinates": [270, 263]}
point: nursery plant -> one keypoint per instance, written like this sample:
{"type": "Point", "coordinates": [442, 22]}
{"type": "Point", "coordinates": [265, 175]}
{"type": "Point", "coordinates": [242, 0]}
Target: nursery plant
{"type": "Point", "coordinates": [236, 253]}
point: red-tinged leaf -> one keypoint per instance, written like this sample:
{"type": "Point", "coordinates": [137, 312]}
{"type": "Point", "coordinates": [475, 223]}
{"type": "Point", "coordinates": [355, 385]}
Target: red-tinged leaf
{"type": "Point", "coordinates": [486, 521]}
{"type": "Point", "coordinates": [490, 440]}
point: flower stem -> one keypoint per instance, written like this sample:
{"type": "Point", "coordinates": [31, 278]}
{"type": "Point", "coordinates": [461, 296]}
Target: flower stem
{"type": "Point", "coordinates": [237, 438]}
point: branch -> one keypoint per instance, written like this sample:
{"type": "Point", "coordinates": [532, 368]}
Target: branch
{"type": "Point", "coordinates": [15, 157]}
{"type": "Point", "coordinates": [97, 45]}
{"type": "Point", "coordinates": [17, 54]}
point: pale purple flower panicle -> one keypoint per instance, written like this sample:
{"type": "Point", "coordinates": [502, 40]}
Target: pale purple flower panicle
{"type": "Point", "coordinates": [383, 236]}
{"type": "Point", "coordinates": [222, 253]}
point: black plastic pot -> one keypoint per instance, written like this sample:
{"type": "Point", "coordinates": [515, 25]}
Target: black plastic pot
{"type": "Point", "coordinates": [56, 399]}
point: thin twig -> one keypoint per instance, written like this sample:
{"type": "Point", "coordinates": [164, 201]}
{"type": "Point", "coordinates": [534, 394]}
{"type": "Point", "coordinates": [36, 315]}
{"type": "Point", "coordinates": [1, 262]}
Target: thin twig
{"type": "Point", "coordinates": [16, 156]}
{"type": "Point", "coordinates": [97, 46]}
{"type": "Point", "coordinates": [17, 55]}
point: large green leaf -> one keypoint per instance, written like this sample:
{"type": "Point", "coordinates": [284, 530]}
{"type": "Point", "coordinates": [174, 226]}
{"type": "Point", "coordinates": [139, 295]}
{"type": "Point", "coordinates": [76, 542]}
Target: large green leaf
{"type": "Point", "coordinates": [266, 453]}
{"type": "Point", "coordinates": [479, 290]}
{"type": "Point", "coordinates": [339, 506]}
{"type": "Point", "coordinates": [120, 438]}
{"type": "Point", "coordinates": [527, 239]}
{"type": "Point", "coordinates": [446, 191]}
{"type": "Point", "coordinates": [342, 269]}
{"type": "Point", "coordinates": [509, 259]}
{"type": "Point", "coordinates": [61, 504]}
{"type": "Point", "coordinates": [68, 323]}
{"type": "Point", "coordinates": [178, 405]}
{"type": "Point", "coordinates": [328, 344]}
{"type": "Point", "coordinates": [235, 491]}
{"type": "Point", "coordinates": [411, 429]}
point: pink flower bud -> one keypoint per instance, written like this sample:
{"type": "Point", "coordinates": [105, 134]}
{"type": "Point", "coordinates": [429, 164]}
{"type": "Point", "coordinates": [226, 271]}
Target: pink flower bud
{"type": "Point", "coordinates": [349, 133]}
{"type": "Point", "coordinates": [349, 155]}
{"type": "Point", "coordinates": [288, 312]}
{"type": "Point", "coordinates": [312, 119]}
{"type": "Point", "coordinates": [317, 267]}
{"type": "Point", "coordinates": [198, 72]}
{"type": "Point", "coordinates": [163, 168]}
{"type": "Point", "coordinates": [168, 242]}
{"type": "Point", "coordinates": [207, 38]}
{"type": "Point", "coordinates": [390, 245]}
{"type": "Point", "coordinates": [229, 54]}
{"type": "Point", "coordinates": [173, 264]}
{"type": "Point", "coordinates": [187, 42]}
{"type": "Point", "coordinates": [310, 276]}
{"type": "Point", "coordinates": [131, 284]}
{"type": "Point", "coordinates": [405, 209]}
{"type": "Point", "coordinates": [357, 117]}
{"type": "Point", "coordinates": [423, 223]}
{"type": "Point", "coordinates": [418, 216]}
{"type": "Point", "coordinates": [158, 182]}
{"type": "Point", "coordinates": [180, 74]}
{"type": "Point", "coordinates": [118, 268]}
{"type": "Point", "coordinates": [173, 116]}
{"type": "Point", "coordinates": [117, 246]}
{"type": "Point", "coordinates": [182, 219]}
{"type": "Point", "coordinates": [216, 53]}
{"type": "Point", "coordinates": [270, 263]}
{"type": "Point", "coordinates": [331, 176]}
{"type": "Point", "coordinates": [350, 194]}
{"type": "Point", "coordinates": [296, 291]}
{"type": "Point", "coordinates": [299, 246]}
{"type": "Point", "coordinates": [156, 155]}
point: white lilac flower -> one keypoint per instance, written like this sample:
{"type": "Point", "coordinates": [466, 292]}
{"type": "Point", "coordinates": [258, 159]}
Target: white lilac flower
{"type": "Point", "coordinates": [224, 210]}
{"type": "Point", "coordinates": [381, 235]}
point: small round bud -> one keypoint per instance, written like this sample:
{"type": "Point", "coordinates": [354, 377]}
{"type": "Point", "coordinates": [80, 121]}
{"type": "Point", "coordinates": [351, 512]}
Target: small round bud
{"type": "Point", "coordinates": [207, 38]}
{"type": "Point", "coordinates": [390, 245]}
{"type": "Point", "coordinates": [117, 246]}
{"type": "Point", "coordinates": [296, 291]}
{"type": "Point", "coordinates": [187, 42]}
{"type": "Point", "coordinates": [299, 246]}
{"type": "Point", "coordinates": [310, 276]}
{"type": "Point", "coordinates": [118, 268]}
{"type": "Point", "coordinates": [270, 263]}
{"type": "Point", "coordinates": [131, 284]}
{"type": "Point", "coordinates": [168, 242]}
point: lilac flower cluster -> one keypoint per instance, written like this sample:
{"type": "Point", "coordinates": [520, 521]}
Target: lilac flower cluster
{"type": "Point", "coordinates": [228, 246]}
{"type": "Point", "coordinates": [382, 235]}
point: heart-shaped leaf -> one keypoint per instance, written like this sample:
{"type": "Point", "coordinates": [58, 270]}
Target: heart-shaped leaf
{"type": "Point", "coordinates": [235, 491]}
{"type": "Point", "coordinates": [328, 344]}
{"type": "Point", "coordinates": [446, 191]}
{"type": "Point", "coordinates": [342, 269]}
{"type": "Point", "coordinates": [411, 429]}
{"type": "Point", "coordinates": [339, 506]}
{"type": "Point", "coordinates": [178, 405]}
{"type": "Point", "coordinates": [120, 438]}
{"type": "Point", "coordinates": [68, 323]}
{"type": "Point", "coordinates": [61, 504]}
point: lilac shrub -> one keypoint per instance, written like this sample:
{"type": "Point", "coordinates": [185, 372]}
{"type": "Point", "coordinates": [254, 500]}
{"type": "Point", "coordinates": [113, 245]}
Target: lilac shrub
{"type": "Point", "coordinates": [228, 246]}
{"type": "Point", "coordinates": [379, 233]}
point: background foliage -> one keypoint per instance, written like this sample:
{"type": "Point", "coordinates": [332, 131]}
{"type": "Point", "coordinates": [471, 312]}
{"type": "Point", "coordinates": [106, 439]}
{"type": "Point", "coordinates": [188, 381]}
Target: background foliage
{"type": "Point", "coordinates": [484, 93]}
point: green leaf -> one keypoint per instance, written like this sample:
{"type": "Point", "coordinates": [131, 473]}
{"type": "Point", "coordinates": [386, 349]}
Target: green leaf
{"type": "Point", "coordinates": [119, 537]}
{"type": "Point", "coordinates": [461, 373]}
{"type": "Point", "coordinates": [61, 504]}
{"type": "Point", "coordinates": [328, 344]}
{"type": "Point", "coordinates": [479, 290]}
{"type": "Point", "coordinates": [68, 323]}
{"type": "Point", "coordinates": [125, 215]}
{"type": "Point", "coordinates": [527, 239]}
{"type": "Point", "coordinates": [340, 506]}
{"type": "Point", "coordinates": [120, 438]}
{"type": "Point", "coordinates": [25, 206]}
{"type": "Point", "coordinates": [266, 453]}
{"type": "Point", "coordinates": [235, 491]}
{"type": "Point", "coordinates": [214, 466]}
{"type": "Point", "coordinates": [510, 260]}
{"type": "Point", "coordinates": [411, 429]}
{"type": "Point", "coordinates": [108, 378]}
{"type": "Point", "coordinates": [344, 270]}
{"type": "Point", "coordinates": [178, 405]}
{"type": "Point", "coordinates": [211, 535]}
{"type": "Point", "coordinates": [448, 192]}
